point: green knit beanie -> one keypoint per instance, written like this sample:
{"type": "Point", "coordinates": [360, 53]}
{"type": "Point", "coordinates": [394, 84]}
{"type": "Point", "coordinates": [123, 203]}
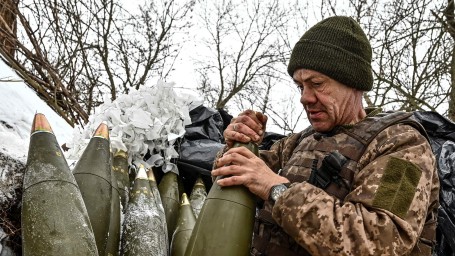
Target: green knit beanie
{"type": "Point", "coordinates": [338, 48]}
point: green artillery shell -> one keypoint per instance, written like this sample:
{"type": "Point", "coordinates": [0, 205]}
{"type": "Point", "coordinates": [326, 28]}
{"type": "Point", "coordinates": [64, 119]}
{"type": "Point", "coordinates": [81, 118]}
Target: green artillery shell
{"type": "Point", "coordinates": [144, 232]}
{"type": "Point", "coordinates": [185, 225]}
{"type": "Point", "coordinates": [54, 218]}
{"type": "Point", "coordinates": [120, 170]}
{"type": "Point", "coordinates": [113, 239]}
{"type": "Point", "coordinates": [93, 175]}
{"type": "Point", "coordinates": [198, 196]}
{"type": "Point", "coordinates": [157, 203]}
{"type": "Point", "coordinates": [231, 210]}
{"type": "Point", "coordinates": [154, 187]}
{"type": "Point", "coordinates": [169, 191]}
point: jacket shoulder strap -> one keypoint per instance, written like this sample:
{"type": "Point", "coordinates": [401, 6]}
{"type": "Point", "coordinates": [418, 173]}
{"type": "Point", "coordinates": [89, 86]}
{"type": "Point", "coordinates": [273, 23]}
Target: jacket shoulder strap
{"type": "Point", "coordinates": [370, 127]}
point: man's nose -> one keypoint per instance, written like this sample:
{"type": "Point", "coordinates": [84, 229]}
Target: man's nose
{"type": "Point", "coordinates": [307, 97]}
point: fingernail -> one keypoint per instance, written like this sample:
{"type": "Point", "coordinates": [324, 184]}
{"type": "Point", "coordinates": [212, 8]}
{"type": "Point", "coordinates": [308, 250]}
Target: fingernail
{"type": "Point", "coordinates": [260, 132]}
{"type": "Point", "coordinates": [256, 137]}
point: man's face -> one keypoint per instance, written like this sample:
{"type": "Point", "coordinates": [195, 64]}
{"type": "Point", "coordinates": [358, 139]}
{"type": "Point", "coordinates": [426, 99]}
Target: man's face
{"type": "Point", "coordinates": [327, 102]}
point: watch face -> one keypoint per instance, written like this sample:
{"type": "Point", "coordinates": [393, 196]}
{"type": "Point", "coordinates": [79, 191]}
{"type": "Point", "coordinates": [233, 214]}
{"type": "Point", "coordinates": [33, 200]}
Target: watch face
{"type": "Point", "coordinates": [277, 191]}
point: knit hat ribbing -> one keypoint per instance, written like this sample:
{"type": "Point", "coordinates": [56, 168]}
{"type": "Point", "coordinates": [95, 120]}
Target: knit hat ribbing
{"type": "Point", "coordinates": [338, 48]}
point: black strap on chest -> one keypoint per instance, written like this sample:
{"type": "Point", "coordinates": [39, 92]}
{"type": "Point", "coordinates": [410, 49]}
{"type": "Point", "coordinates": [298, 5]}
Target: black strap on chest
{"type": "Point", "coordinates": [329, 171]}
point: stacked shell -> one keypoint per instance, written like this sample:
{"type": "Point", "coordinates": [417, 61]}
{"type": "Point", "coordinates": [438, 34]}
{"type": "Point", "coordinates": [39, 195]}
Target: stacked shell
{"type": "Point", "coordinates": [54, 217]}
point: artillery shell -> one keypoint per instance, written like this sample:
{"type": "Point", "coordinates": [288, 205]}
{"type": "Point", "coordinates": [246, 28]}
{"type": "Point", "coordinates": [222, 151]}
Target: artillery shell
{"type": "Point", "coordinates": [198, 196]}
{"type": "Point", "coordinates": [113, 239]}
{"type": "Point", "coordinates": [144, 232]}
{"type": "Point", "coordinates": [93, 175]}
{"type": "Point", "coordinates": [185, 225]}
{"type": "Point", "coordinates": [55, 221]}
{"type": "Point", "coordinates": [169, 191]}
{"type": "Point", "coordinates": [120, 171]}
{"type": "Point", "coordinates": [231, 210]}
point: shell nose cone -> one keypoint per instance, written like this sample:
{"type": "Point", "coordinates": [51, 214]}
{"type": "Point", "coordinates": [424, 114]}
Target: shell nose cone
{"type": "Point", "coordinates": [40, 124]}
{"type": "Point", "coordinates": [141, 174]}
{"type": "Point", "coordinates": [102, 131]}
{"type": "Point", "coordinates": [185, 199]}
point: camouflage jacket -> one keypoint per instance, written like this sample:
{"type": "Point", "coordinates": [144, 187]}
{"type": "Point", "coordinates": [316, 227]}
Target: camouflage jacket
{"type": "Point", "coordinates": [390, 208]}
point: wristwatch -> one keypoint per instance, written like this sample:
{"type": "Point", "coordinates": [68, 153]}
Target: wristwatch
{"type": "Point", "coordinates": [277, 190]}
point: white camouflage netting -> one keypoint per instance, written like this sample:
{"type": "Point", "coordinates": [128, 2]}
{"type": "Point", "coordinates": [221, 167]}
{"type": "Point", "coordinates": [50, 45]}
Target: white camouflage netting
{"type": "Point", "coordinates": [151, 118]}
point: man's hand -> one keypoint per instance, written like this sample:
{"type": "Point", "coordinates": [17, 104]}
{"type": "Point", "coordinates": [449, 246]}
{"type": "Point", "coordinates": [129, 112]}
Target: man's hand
{"type": "Point", "coordinates": [245, 168]}
{"type": "Point", "coordinates": [248, 126]}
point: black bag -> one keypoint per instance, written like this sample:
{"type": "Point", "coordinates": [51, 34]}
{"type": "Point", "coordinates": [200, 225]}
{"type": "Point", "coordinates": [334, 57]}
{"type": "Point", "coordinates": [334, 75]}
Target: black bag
{"type": "Point", "coordinates": [441, 132]}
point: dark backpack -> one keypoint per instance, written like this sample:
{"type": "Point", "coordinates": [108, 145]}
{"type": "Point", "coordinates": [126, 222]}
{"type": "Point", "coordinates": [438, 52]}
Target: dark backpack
{"type": "Point", "coordinates": [441, 132]}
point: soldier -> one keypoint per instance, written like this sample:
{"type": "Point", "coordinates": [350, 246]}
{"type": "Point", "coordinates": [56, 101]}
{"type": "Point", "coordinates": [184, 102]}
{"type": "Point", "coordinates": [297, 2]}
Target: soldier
{"type": "Point", "coordinates": [357, 181]}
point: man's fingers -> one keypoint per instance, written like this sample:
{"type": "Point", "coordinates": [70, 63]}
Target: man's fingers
{"type": "Point", "coordinates": [234, 132]}
{"type": "Point", "coordinates": [240, 129]}
{"type": "Point", "coordinates": [249, 117]}
{"type": "Point", "coordinates": [231, 181]}
{"type": "Point", "coordinates": [229, 142]}
{"type": "Point", "coordinates": [239, 136]}
{"type": "Point", "coordinates": [248, 126]}
{"type": "Point", "coordinates": [262, 118]}
{"type": "Point", "coordinates": [227, 170]}
{"type": "Point", "coordinates": [237, 156]}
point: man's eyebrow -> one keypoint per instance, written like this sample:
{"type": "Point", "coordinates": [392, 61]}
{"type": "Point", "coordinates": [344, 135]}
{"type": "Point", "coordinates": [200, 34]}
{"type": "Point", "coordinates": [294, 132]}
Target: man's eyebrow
{"type": "Point", "coordinates": [308, 78]}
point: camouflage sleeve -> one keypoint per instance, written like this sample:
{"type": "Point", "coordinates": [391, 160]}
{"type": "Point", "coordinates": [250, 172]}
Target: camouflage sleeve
{"type": "Point", "coordinates": [272, 156]}
{"type": "Point", "coordinates": [280, 152]}
{"type": "Point", "coordinates": [386, 210]}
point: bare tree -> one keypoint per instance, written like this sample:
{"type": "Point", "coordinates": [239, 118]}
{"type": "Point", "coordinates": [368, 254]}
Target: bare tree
{"type": "Point", "coordinates": [289, 114]}
{"type": "Point", "coordinates": [79, 51]}
{"type": "Point", "coordinates": [44, 80]}
{"type": "Point", "coordinates": [74, 53]}
{"type": "Point", "coordinates": [8, 23]}
{"type": "Point", "coordinates": [410, 52]}
{"type": "Point", "coordinates": [244, 46]}
{"type": "Point", "coordinates": [248, 45]}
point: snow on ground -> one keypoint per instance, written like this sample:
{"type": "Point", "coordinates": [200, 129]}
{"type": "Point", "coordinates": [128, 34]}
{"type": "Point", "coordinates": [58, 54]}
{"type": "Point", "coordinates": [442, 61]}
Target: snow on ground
{"type": "Point", "coordinates": [18, 105]}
